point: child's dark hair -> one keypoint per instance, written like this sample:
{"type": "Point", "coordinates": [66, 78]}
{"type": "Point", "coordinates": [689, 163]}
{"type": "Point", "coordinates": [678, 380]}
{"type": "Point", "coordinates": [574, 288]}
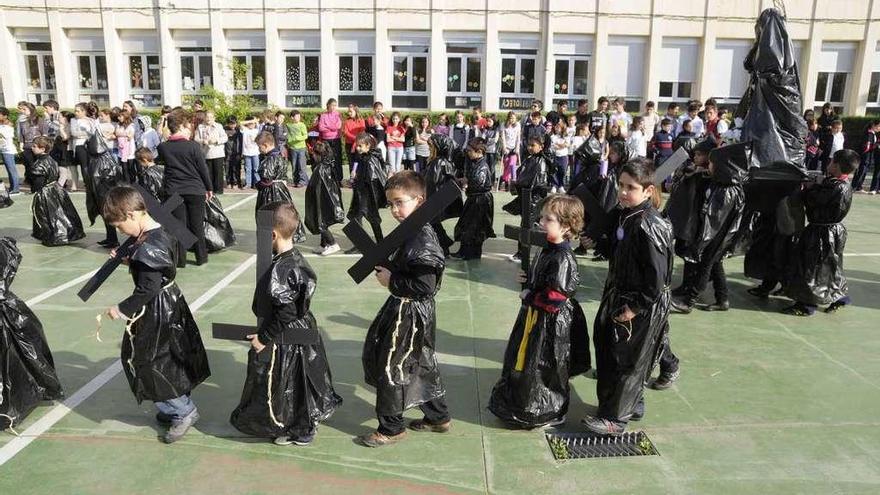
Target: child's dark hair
{"type": "Point", "coordinates": [408, 181]}
{"type": "Point", "coordinates": [536, 140]}
{"type": "Point", "coordinates": [321, 149]}
{"type": "Point", "coordinates": [602, 100]}
{"type": "Point", "coordinates": [120, 201]}
{"type": "Point", "coordinates": [666, 121]}
{"type": "Point", "coordinates": [143, 155]}
{"type": "Point", "coordinates": [177, 119]}
{"type": "Point", "coordinates": [642, 171]}
{"type": "Point", "coordinates": [279, 113]}
{"type": "Point", "coordinates": [650, 104]}
{"type": "Point", "coordinates": [811, 122]}
{"type": "Point", "coordinates": [44, 142]}
{"type": "Point", "coordinates": [836, 122]}
{"type": "Point", "coordinates": [672, 106]}
{"type": "Point", "coordinates": [285, 218]}
{"type": "Point", "coordinates": [232, 120]}
{"type": "Point", "coordinates": [846, 160]}
{"type": "Point", "coordinates": [294, 113]}
{"type": "Point", "coordinates": [4, 112]}
{"type": "Point", "coordinates": [365, 138]}
{"type": "Point", "coordinates": [51, 104]}
{"type": "Point", "coordinates": [874, 123]}
{"type": "Point", "coordinates": [568, 210]}
{"type": "Point", "coordinates": [477, 145]}
{"type": "Point", "coordinates": [686, 124]}
{"type": "Point", "coordinates": [535, 115]}
{"type": "Point", "coordinates": [265, 138]}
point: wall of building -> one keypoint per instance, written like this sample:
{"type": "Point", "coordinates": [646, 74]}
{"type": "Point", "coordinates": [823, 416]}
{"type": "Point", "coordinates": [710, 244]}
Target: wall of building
{"type": "Point", "coordinates": [429, 54]}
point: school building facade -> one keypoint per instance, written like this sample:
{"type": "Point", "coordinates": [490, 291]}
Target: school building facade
{"type": "Point", "coordinates": [426, 54]}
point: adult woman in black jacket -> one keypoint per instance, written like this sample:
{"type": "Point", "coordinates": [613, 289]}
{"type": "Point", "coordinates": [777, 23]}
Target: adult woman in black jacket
{"type": "Point", "coordinates": [186, 174]}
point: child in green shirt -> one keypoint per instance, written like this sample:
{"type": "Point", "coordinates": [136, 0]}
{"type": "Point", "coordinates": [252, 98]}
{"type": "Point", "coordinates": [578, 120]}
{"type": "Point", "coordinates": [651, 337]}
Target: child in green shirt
{"type": "Point", "coordinates": [297, 132]}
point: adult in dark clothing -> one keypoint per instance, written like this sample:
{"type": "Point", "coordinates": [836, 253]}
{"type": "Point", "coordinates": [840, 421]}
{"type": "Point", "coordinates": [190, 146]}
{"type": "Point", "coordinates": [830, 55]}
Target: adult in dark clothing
{"type": "Point", "coordinates": [186, 174]}
{"type": "Point", "coordinates": [29, 126]}
{"type": "Point", "coordinates": [825, 138]}
{"type": "Point", "coordinates": [582, 115]}
{"type": "Point", "coordinates": [554, 116]}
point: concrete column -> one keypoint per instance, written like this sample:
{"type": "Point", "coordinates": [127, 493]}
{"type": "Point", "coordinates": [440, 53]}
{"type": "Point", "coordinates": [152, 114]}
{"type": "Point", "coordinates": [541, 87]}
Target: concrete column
{"type": "Point", "coordinates": [66, 76]}
{"type": "Point", "coordinates": [437, 71]}
{"type": "Point", "coordinates": [13, 84]}
{"type": "Point", "coordinates": [117, 66]}
{"type": "Point", "coordinates": [168, 57]}
{"type": "Point", "coordinates": [654, 54]}
{"type": "Point", "coordinates": [810, 70]}
{"type": "Point", "coordinates": [329, 60]}
{"type": "Point", "coordinates": [220, 51]}
{"type": "Point", "coordinates": [382, 71]}
{"type": "Point", "coordinates": [546, 58]}
{"type": "Point", "coordinates": [275, 69]}
{"type": "Point", "coordinates": [492, 60]}
{"type": "Point", "coordinates": [598, 67]}
{"type": "Point", "coordinates": [703, 91]}
{"type": "Point", "coordinates": [857, 96]}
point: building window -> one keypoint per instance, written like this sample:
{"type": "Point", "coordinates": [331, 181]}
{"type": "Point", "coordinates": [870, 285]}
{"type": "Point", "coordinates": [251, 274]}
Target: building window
{"type": "Point", "coordinates": [830, 88]}
{"type": "Point", "coordinates": [570, 79]}
{"type": "Point", "coordinates": [517, 79]}
{"type": "Point", "coordinates": [92, 70]}
{"type": "Point", "coordinates": [679, 91]}
{"type": "Point", "coordinates": [356, 80]}
{"type": "Point", "coordinates": [145, 81]}
{"type": "Point", "coordinates": [303, 80]}
{"type": "Point", "coordinates": [39, 69]}
{"type": "Point", "coordinates": [249, 75]}
{"type": "Point", "coordinates": [410, 77]}
{"type": "Point", "coordinates": [463, 76]}
{"type": "Point", "coordinates": [196, 69]}
{"type": "Point", "coordinates": [874, 94]}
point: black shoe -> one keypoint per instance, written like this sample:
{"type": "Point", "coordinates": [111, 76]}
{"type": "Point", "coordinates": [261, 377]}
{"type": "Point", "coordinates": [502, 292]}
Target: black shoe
{"type": "Point", "coordinates": [163, 419]}
{"type": "Point", "coordinates": [679, 306]}
{"type": "Point", "coordinates": [637, 415]}
{"type": "Point", "coordinates": [798, 309]}
{"type": "Point", "coordinates": [599, 258]}
{"type": "Point", "coordinates": [580, 251]}
{"type": "Point", "coordinates": [759, 291]}
{"type": "Point", "coordinates": [665, 380]}
{"type": "Point", "coordinates": [353, 250]}
{"type": "Point", "coordinates": [105, 242]}
{"type": "Point", "coordinates": [201, 261]}
{"type": "Point", "coordinates": [717, 306]}
{"type": "Point", "coordinates": [679, 291]}
{"type": "Point", "coordinates": [836, 305]}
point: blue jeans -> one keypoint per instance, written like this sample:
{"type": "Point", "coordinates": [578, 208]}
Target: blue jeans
{"type": "Point", "coordinates": [298, 159]}
{"type": "Point", "coordinates": [9, 161]}
{"type": "Point", "coordinates": [177, 408]}
{"type": "Point", "coordinates": [251, 168]}
{"type": "Point", "coordinates": [395, 156]}
{"type": "Point", "coordinates": [558, 178]}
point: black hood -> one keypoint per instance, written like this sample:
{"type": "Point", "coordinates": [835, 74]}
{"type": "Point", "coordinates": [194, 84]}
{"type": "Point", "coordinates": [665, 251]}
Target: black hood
{"type": "Point", "coordinates": [444, 145]}
{"type": "Point", "coordinates": [731, 163]}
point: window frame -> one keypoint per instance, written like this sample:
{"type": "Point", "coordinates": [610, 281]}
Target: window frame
{"type": "Point", "coordinates": [518, 57]}
{"type": "Point", "coordinates": [829, 88]}
{"type": "Point", "coordinates": [409, 91]}
{"type": "Point", "coordinates": [42, 93]}
{"type": "Point", "coordinates": [463, 61]}
{"type": "Point", "coordinates": [570, 94]}
{"type": "Point", "coordinates": [195, 54]}
{"type": "Point", "coordinates": [355, 77]}
{"type": "Point", "coordinates": [147, 89]}
{"type": "Point", "coordinates": [94, 90]}
{"type": "Point", "coordinates": [260, 94]}
{"type": "Point", "coordinates": [676, 88]}
{"type": "Point", "coordinates": [302, 55]}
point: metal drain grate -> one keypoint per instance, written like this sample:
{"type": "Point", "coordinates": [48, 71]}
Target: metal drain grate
{"type": "Point", "coordinates": [589, 445]}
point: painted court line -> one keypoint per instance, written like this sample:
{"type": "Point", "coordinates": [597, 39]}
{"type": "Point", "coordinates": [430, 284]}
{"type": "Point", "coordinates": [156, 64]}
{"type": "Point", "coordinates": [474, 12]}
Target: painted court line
{"type": "Point", "coordinates": [58, 412]}
{"type": "Point", "coordinates": [239, 203]}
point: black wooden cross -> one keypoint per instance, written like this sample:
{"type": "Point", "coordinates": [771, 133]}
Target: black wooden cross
{"type": "Point", "coordinates": [377, 254]}
{"type": "Point", "coordinates": [263, 305]}
{"type": "Point", "coordinates": [161, 212]}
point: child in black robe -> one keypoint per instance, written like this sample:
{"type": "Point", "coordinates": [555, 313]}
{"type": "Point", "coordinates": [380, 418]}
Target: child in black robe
{"type": "Point", "coordinates": [475, 224]}
{"type": "Point", "coordinates": [440, 170]}
{"type": "Point", "coordinates": [27, 370]}
{"type": "Point", "coordinates": [323, 198]}
{"type": "Point", "coordinates": [398, 353]}
{"type": "Point", "coordinates": [549, 341]}
{"type": "Point", "coordinates": [531, 186]}
{"type": "Point", "coordinates": [816, 276]}
{"type": "Point", "coordinates": [273, 178]}
{"type": "Point", "coordinates": [635, 301]}
{"type": "Point", "coordinates": [288, 389]}
{"type": "Point", "coordinates": [151, 175]}
{"type": "Point", "coordinates": [55, 219]}
{"type": "Point", "coordinates": [162, 352]}
{"type": "Point", "coordinates": [368, 179]}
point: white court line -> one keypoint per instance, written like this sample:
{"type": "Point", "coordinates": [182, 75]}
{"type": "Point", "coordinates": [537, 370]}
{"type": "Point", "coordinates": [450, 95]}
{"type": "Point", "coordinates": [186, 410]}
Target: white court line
{"type": "Point", "coordinates": [243, 201]}
{"type": "Point", "coordinates": [58, 412]}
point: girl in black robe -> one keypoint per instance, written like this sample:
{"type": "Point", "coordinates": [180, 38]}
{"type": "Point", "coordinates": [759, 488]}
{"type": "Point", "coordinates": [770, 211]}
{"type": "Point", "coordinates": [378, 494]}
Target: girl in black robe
{"type": "Point", "coordinates": [635, 301]}
{"type": "Point", "coordinates": [531, 186]}
{"type": "Point", "coordinates": [55, 219]}
{"type": "Point", "coordinates": [549, 341]}
{"type": "Point", "coordinates": [27, 370]}
{"type": "Point", "coordinates": [438, 172]}
{"type": "Point", "coordinates": [368, 185]}
{"type": "Point", "coordinates": [289, 388]}
{"type": "Point", "coordinates": [273, 178]}
{"type": "Point", "coordinates": [323, 198]}
{"type": "Point", "coordinates": [816, 276]}
{"type": "Point", "coordinates": [162, 352]}
{"type": "Point", "coordinates": [104, 173]}
{"type": "Point", "coordinates": [475, 224]}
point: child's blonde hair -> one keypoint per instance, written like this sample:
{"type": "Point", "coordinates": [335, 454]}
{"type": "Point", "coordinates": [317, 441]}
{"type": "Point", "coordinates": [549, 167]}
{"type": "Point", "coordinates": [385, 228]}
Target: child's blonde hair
{"type": "Point", "coordinates": [568, 210]}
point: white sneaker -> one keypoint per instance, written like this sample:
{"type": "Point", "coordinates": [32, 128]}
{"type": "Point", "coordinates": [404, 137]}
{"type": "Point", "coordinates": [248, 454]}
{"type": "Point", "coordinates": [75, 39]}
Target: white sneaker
{"type": "Point", "coordinates": [553, 190]}
{"type": "Point", "coordinates": [872, 193]}
{"type": "Point", "coordinates": [561, 190]}
{"type": "Point", "coordinates": [333, 248]}
{"type": "Point", "coordinates": [514, 258]}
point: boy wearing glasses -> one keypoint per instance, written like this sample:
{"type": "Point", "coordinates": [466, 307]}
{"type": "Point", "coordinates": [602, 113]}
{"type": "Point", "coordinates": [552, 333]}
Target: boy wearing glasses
{"type": "Point", "coordinates": [398, 354]}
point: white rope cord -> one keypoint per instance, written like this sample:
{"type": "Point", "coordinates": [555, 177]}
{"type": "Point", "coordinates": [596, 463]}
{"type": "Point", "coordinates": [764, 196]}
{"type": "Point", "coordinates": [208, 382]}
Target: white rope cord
{"type": "Point", "coordinates": [412, 344]}
{"type": "Point", "coordinates": [131, 338]}
{"type": "Point", "coordinates": [394, 335]}
{"type": "Point", "coordinates": [269, 387]}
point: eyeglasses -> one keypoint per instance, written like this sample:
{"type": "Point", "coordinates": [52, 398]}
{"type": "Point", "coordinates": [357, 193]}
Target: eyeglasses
{"type": "Point", "coordinates": [398, 204]}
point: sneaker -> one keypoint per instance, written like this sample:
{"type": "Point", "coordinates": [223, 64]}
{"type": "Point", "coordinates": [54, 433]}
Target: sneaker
{"type": "Point", "coordinates": [798, 309]}
{"type": "Point", "coordinates": [283, 441]}
{"type": "Point", "coordinates": [353, 250]}
{"type": "Point", "coordinates": [872, 193]}
{"type": "Point", "coordinates": [327, 251]}
{"type": "Point", "coordinates": [602, 426]}
{"type": "Point", "coordinates": [14, 193]}
{"type": "Point", "coordinates": [680, 306]}
{"type": "Point", "coordinates": [514, 258]}
{"type": "Point", "coordinates": [163, 419]}
{"type": "Point", "coordinates": [424, 425]}
{"type": "Point", "coordinates": [179, 427]}
{"type": "Point", "coordinates": [665, 380]}
{"type": "Point", "coordinates": [717, 306]}
{"type": "Point", "coordinates": [580, 251]}
{"type": "Point", "coordinates": [637, 415]}
{"type": "Point", "coordinates": [302, 440]}
{"type": "Point", "coordinates": [553, 190]}
{"type": "Point", "coordinates": [376, 439]}
{"type": "Point", "coordinates": [836, 305]}
{"type": "Point", "coordinates": [561, 190]}
{"type": "Point", "coordinates": [556, 422]}
{"type": "Point", "coordinates": [759, 291]}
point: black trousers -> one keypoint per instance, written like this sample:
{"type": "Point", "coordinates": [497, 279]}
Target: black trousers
{"type": "Point", "coordinates": [374, 223]}
{"type": "Point", "coordinates": [435, 412]}
{"type": "Point", "coordinates": [81, 156]}
{"type": "Point", "coordinates": [215, 170]}
{"type": "Point", "coordinates": [27, 156]}
{"type": "Point", "coordinates": [327, 238]}
{"type": "Point", "coordinates": [192, 213]}
{"type": "Point", "coordinates": [336, 146]}
{"type": "Point", "coordinates": [110, 232]}
{"type": "Point", "coordinates": [698, 275]}
{"type": "Point", "coordinates": [233, 171]}
{"type": "Point", "coordinates": [442, 236]}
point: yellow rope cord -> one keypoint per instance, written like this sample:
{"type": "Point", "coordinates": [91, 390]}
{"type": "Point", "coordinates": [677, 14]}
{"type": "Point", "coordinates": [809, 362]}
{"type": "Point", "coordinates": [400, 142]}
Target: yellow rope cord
{"type": "Point", "coordinates": [531, 320]}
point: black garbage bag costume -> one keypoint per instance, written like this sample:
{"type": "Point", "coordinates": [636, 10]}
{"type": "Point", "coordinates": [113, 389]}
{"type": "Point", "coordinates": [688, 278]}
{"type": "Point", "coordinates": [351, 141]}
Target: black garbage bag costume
{"type": "Point", "coordinates": [103, 174]}
{"type": "Point", "coordinates": [639, 274]}
{"type": "Point", "coordinates": [604, 188]}
{"type": "Point", "coordinates": [219, 233]}
{"type": "Point", "coordinates": [323, 197]}
{"type": "Point", "coordinates": [5, 198]}
{"type": "Point", "coordinates": [548, 344]}
{"type": "Point", "coordinates": [475, 224]}
{"type": "Point", "coordinates": [816, 267]}
{"type": "Point", "coordinates": [162, 352]}
{"type": "Point", "coordinates": [368, 190]}
{"type": "Point", "coordinates": [530, 188]}
{"type": "Point", "coordinates": [438, 172]}
{"type": "Point", "coordinates": [687, 193]}
{"type": "Point", "coordinates": [273, 186]}
{"type": "Point", "coordinates": [27, 370]}
{"type": "Point", "coordinates": [55, 219]}
{"type": "Point", "coordinates": [151, 179]}
{"type": "Point", "coordinates": [398, 354]}
{"type": "Point", "coordinates": [288, 389]}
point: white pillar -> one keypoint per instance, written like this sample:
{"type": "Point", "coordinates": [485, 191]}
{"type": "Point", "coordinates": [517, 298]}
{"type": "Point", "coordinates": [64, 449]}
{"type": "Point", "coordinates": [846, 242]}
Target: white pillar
{"type": "Point", "coordinates": [810, 71]}
{"type": "Point", "coordinates": [117, 68]}
{"type": "Point", "coordinates": [545, 76]}
{"type": "Point", "coordinates": [221, 56]}
{"type": "Point", "coordinates": [704, 64]}
{"type": "Point", "coordinates": [654, 55]}
{"type": "Point", "coordinates": [276, 80]}
{"type": "Point", "coordinates": [492, 61]}
{"type": "Point", "coordinates": [329, 61]}
{"type": "Point", "coordinates": [169, 59]}
{"type": "Point", "coordinates": [857, 102]}
{"type": "Point", "coordinates": [437, 69]}
{"type": "Point", "coordinates": [13, 87]}
{"type": "Point", "coordinates": [598, 69]}
{"type": "Point", "coordinates": [382, 73]}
